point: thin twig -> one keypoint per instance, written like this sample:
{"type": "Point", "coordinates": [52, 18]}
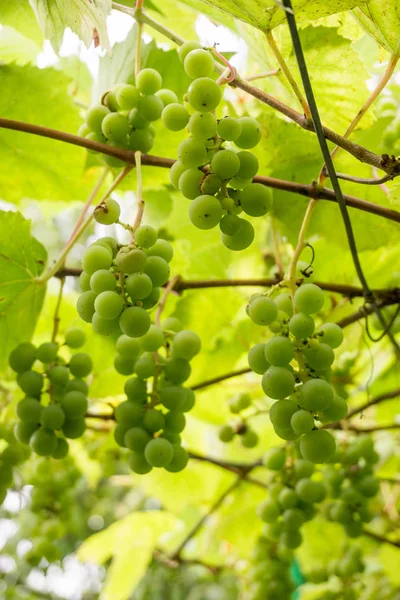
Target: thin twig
{"type": "Point", "coordinates": [56, 318]}
{"type": "Point", "coordinates": [377, 400]}
{"type": "Point", "coordinates": [220, 378]}
{"type": "Point", "coordinates": [263, 75]}
{"type": "Point", "coordinates": [364, 180]}
{"type": "Point", "coordinates": [168, 289]}
{"type": "Point", "coordinates": [380, 538]}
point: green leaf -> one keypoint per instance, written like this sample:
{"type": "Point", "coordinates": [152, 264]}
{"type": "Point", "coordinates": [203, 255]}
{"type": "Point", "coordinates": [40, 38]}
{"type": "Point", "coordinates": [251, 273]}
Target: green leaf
{"type": "Point", "coordinates": [50, 169]}
{"type": "Point", "coordinates": [22, 259]}
{"type": "Point", "coordinates": [19, 14]}
{"type": "Point", "coordinates": [15, 47]}
{"type": "Point", "coordinates": [383, 25]}
{"type": "Point", "coordinates": [87, 19]}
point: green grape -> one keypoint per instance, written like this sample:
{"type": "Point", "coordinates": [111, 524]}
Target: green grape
{"type": "Point", "coordinates": [61, 450]}
{"type": "Point", "coordinates": [129, 414]}
{"type": "Point", "coordinates": [229, 129]}
{"type": "Point", "coordinates": [108, 305]}
{"type": "Point", "coordinates": [172, 324]}
{"type": "Point", "coordinates": [309, 298]}
{"type": "Point", "coordinates": [139, 464]}
{"type": "Point", "coordinates": [248, 164]}
{"type": "Point", "coordinates": [22, 357]}
{"type": "Point", "coordinates": [256, 200]}
{"type": "Point", "coordinates": [103, 281]}
{"type": "Point", "coordinates": [175, 116]}
{"type": "Point", "coordinates": [177, 370]}
{"type": "Point", "coordinates": [29, 409]}
{"type": "Point", "coordinates": [311, 491]}
{"type": "Point", "coordinates": [291, 539]}
{"type": "Point", "coordinates": [205, 212]}
{"type": "Point", "coordinates": [262, 310]}
{"type": "Point", "coordinates": [24, 430]}
{"type": "Point", "coordinates": [250, 133]}
{"type": "Point", "coordinates": [211, 184]}
{"type": "Point", "coordinates": [317, 446]}
{"type": "Point", "coordinates": [107, 242]}
{"type": "Point", "coordinates": [43, 442]}
{"type": "Point", "coordinates": [186, 344]}
{"type": "Point", "coordinates": [52, 417]}
{"type": "Point", "coordinates": [80, 364]}
{"type": "Point", "coordinates": [145, 366]}
{"type": "Point", "coordinates": [284, 303]}
{"type": "Point", "coordinates": [83, 130]}
{"type": "Point", "coordinates": [95, 116]}
{"type": "Point", "coordinates": [161, 248]}
{"type": "Point", "coordinates": [238, 183]}
{"type": "Point", "coordinates": [249, 439]}
{"type": "Point", "coordinates": [286, 433]}
{"type": "Point", "coordinates": [319, 357]}
{"type": "Point", "coordinates": [279, 351]}
{"type": "Point", "coordinates": [301, 326]}
{"type": "Point", "coordinates": [316, 395]}
{"type": "Point", "coordinates": [59, 375]}
{"type": "Point", "coordinates": [138, 286]}
{"type": "Point", "coordinates": [136, 439]}
{"type": "Point", "coordinates": [136, 121]}
{"type": "Point", "coordinates": [127, 96]}
{"type": "Point", "coordinates": [192, 153]}
{"type": "Point", "coordinates": [136, 389]}
{"type": "Point", "coordinates": [145, 236]}
{"type": "Point", "coordinates": [189, 183]}
{"type": "Point", "coordinates": [167, 96]}
{"type": "Point", "coordinates": [31, 382]}
{"type": "Point", "coordinates": [198, 63]}
{"type": "Point", "coordinates": [230, 224]}
{"type": "Point", "coordinates": [281, 413]}
{"type": "Point", "coordinates": [107, 212]}
{"type": "Point", "coordinates": [153, 339]}
{"type": "Point", "coordinates": [141, 140]}
{"type": "Point", "coordinates": [226, 434]}
{"type": "Point", "coordinates": [153, 420]}
{"type": "Point", "coordinates": [152, 299]}
{"type": "Point", "coordinates": [85, 305]}
{"type": "Point", "coordinates": [336, 411]}
{"type": "Point", "coordinates": [274, 459]}
{"type": "Point", "coordinates": [105, 326]}
{"type": "Point", "coordinates": [74, 428]}
{"type": "Point", "coordinates": [119, 435]}
{"type": "Point", "coordinates": [96, 257]}
{"type": "Point", "coordinates": [179, 460]}
{"type": "Point", "coordinates": [159, 452]}
{"type": "Point", "coordinates": [302, 421]}
{"type": "Point", "coordinates": [175, 172]}
{"type": "Point", "coordinates": [293, 519]}
{"type": "Point", "coordinates": [189, 400]}
{"type": "Point", "coordinates": [225, 163]}
{"type": "Point", "coordinates": [268, 511]}
{"type": "Point", "coordinates": [47, 352]}
{"type": "Point", "coordinates": [187, 47]}
{"type": "Point", "coordinates": [158, 270]}
{"type": "Point", "coordinates": [110, 99]}
{"type": "Point", "coordinates": [75, 337]}
{"type": "Point", "coordinates": [77, 385]}
{"type": "Point", "coordinates": [204, 94]}
{"type": "Point", "coordinates": [84, 281]}
{"type": "Point", "coordinates": [242, 239]}
{"type": "Point", "coordinates": [175, 421]}
{"type": "Point", "coordinates": [331, 334]}
{"type": "Point", "coordinates": [115, 127]}
{"type": "Point", "coordinates": [239, 402]}
{"type": "Point", "coordinates": [74, 404]}
{"type": "Point", "coordinates": [278, 383]}
{"type": "Point", "coordinates": [202, 125]}
{"type": "Point", "coordinates": [124, 365]}
{"type": "Point", "coordinates": [95, 137]}
{"type": "Point", "coordinates": [113, 161]}
{"type": "Point", "coordinates": [173, 397]}
{"type": "Point", "coordinates": [132, 261]}
{"type": "Point", "coordinates": [148, 81]}
{"type": "Point", "coordinates": [151, 107]}
{"type": "Point", "coordinates": [368, 486]}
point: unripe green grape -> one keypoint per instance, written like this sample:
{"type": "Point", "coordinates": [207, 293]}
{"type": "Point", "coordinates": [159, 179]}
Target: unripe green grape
{"type": "Point", "coordinates": [225, 163]}
{"type": "Point", "coordinates": [278, 383]}
{"type": "Point", "coordinates": [205, 212]}
{"type": "Point", "coordinates": [110, 99]}
{"type": "Point", "coordinates": [133, 261]}
{"type": "Point", "coordinates": [115, 127]}
{"type": "Point", "coordinates": [84, 281]}
{"type": "Point", "coordinates": [127, 96]}
{"type": "Point", "coordinates": [189, 183]}
{"type": "Point", "coordinates": [145, 366]}
{"type": "Point", "coordinates": [153, 339]}
{"type": "Point", "coordinates": [107, 242]}
{"type": "Point", "coordinates": [113, 161]}
{"type": "Point", "coordinates": [52, 417]}
{"type": "Point", "coordinates": [256, 200]}
{"type": "Point", "coordinates": [159, 452]}
{"type": "Point", "coordinates": [141, 140]}
{"type": "Point", "coordinates": [320, 357]}
{"type": "Point", "coordinates": [31, 382]}
{"type": "Point", "coordinates": [332, 334]}
{"type": "Point", "coordinates": [74, 428]}
{"type": "Point", "coordinates": [186, 344]}
{"type": "Point", "coordinates": [148, 81]}
{"type": "Point", "coordinates": [95, 137]}
{"type": "Point", "coordinates": [136, 121]}
{"type": "Point", "coordinates": [107, 212]}
{"type": "Point", "coordinates": [226, 434]}
{"type": "Point", "coordinates": [262, 310]}
{"type": "Point", "coordinates": [177, 370]}
{"type": "Point", "coordinates": [152, 299]}
{"type": "Point", "coordinates": [309, 298]}
{"type": "Point", "coordinates": [198, 63]}
{"type": "Point", "coordinates": [104, 326]}
{"type": "Point", "coordinates": [248, 164]}
{"type": "Point", "coordinates": [151, 107]}
{"type": "Point", "coordinates": [102, 281]}
{"type": "Point", "coordinates": [230, 224]}
{"type": "Point", "coordinates": [316, 395]}
{"type": "Point", "coordinates": [29, 409]}
{"type": "Point", "coordinates": [24, 430]}
{"type": "Point", "coordinates": [211, 184]}
{"type": "Point", "coordinates": [74, 404]}
{"type": "Point", "coordinates": [284, 303]}
{"type": "Point", "coordinates": [136, 390]}
{"type": "Point", "coordinates": [281, 413]}
{"type": "Point", "coordinates": [189, 400]}
{"type": "Point", "coordinates": [153, 420]}
{"type": "Point", "coordinates": [83, 130]}
{"type": "Point", "coordinates": [136, 439]}
{"type": "Point", "coordinates": [293, 519]}
{"type": "Point", "coordinates": [22, 357]}
{"type": "Point", "coordinates": [368, 486]}
{"type": "Point", "coordinates": [301, 326]}
{"type": "Point", "coordinates": [138, 286]}
{"type": "Point", "coordinates": [77, 385]}
{"type": "Point", "coordinates": [249, 439]}
{"type": "Point", "coordinates": [187, 47]}
{"type": "Point", "coordinates": [47, 352]}
{"type": "Point", "coordinates": [61, 450]}
{"type": "Point", "coordinates": [124, 365]}
{"type": "Point", "coordinates": [229, 129]}
{"type": "Point", "coordinates": [95, 116]}
{"type": "Point", "coordinates": [43, 442]}
{"type": "Point", "coordinates": [336, 411]}
{"type": "Point", "coordinates": [173, 397]}
{"type": "Point", "coordinates": [288, 498]}
{"type": "Point", "coordinates": [291, 539]}
{"type": "Point", "coordinates": [239, 402]}
{"type": "Point", "coordinates": [85, 305]}
{"type": "Point", "coordinates": [134, 321]}
{"type": "Point", "coordinates": [129, 414]}
{"type": "Point", "coordinates": [172, 324]}
{"type": "Point", "coordinates": [242, 239]}
{"type": "Point", "coordinates": [175, 421]}
{"type": "Point", "coordinates": [192, 153]}
{"type": "Point", "coordinates": [139, 464]}
{"type": "Point", "coordinates": [175, 172]}
{"type": "Point", "coordinates": [95, 258]}
{"type": "Point", "coordinates": [175, 117]}
{"type": "Point", "coordinates": [204, 94]}
{"type": "Point", "coordinates": [167, 96]}
{"type": "Point", "coordinates": [108, 305]}
{"type": "Point", "coordinates": [59, 375]}
{"type": "Point", "coordinates": [202, 125]}
{"type": "Point", "coordinates": [279, 351]}
{"type": "Point", "coordinates": [238, 183]}
{"type": "Point", "coordinates": [145, 236]}
{"type": "Point", "coordinates": [161, 248]}
{"type": "Point", "coordinates": [75, 337]}
{"type": "Point", "coordinates": [302, 421]}
{"type": "Point", "coordinates": [268, 511]}
{"type": "Point", "coordinates": [317, 446]}
{"type": "Point", "coordinates": [158, 270]}
{"type": "Point", "coordinates": [179, 460]}
{"type": "Point", "coordinates": [274, 459]}
{"type": "Point", "coordinates": [250, 134]}
{"type": "Point", "coordinates": [256, 359]}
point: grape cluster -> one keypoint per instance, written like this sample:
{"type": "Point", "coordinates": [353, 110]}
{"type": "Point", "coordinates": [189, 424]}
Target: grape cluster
{"type": "Point", "coordinates": [120, 284]}
{"type": "Point", "coordinates": [225, 189]}
{"type": "Point", "coordinates": [13, 454]}
{"type": "Point", "coordinates": [352, 484]}
{"type": "Point", "coordinates": [249, 438]}
{"type": "Point", "coordinates": [124, 119]}
{"type": "Point", "coordinates": [149, 423]}
{"type": "Point", "coordinates": [303, 392]}
{"type": "Point", "coordinates": [55, 403]}
{"type": "Point", "coordinates": [270, 572]}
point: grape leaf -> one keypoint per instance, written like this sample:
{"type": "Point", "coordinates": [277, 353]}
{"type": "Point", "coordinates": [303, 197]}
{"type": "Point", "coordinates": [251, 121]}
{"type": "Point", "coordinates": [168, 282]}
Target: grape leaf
{"type": "Point", "coordinates": [22, 259]}
{"type": "Point", "coordinates": [383, 25]}
{"type": "Point", "coordinates": [19, 14]}
{"type": "Point", "coordinates": [16, 48]}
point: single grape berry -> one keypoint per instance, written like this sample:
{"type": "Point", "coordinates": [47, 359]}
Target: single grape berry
{"type": "Point", "coordinates": [229, 129]}
{"type": "Point", "coordinates": [189, 183]}
{"type": "Point", "coordinates": [107, 212]}
{"type": "Point", "coordinates": [198, 63]}
{"type": "Point", "coordinates": [22, 357]}
{"type": "Point", "coordinates": [240, 240]}
{"type": "Point", "coordinates": [96, 257]}
{"type": "Point", "coordinates": [278, 383]}
{"type": "Point", "coordinates": [186, 344]}
{"type": "Point", "coordinates": [75, 337]}
{"type": "Point", "coordinates": [226, 164]}
{"type": "Point", "coordinates": [159, 452]}
{"type": "Point", "coordinates": [262, 310]}
{"type": "Point", "coordinates": [256, 199]}
{"type": "Point", "coordinates": [175, 116]}
{"type": "Point", "coordinates": [127, 96]}
{"type": "Point", "coordinates": [250, 133]}
{"type": "Point", "coordinates": [134, 321]}
{"type": "Point", "coordinates": [145, 236]}
{"type": "Point", "coordinates": [167, 96]}
{"type": "Point", "coordinates": [80, 364]}
{"type": "Point", "coordinates": [202, 125]}
{"type": "Point", "coordinates": [309, 298]}
{"type": "Point", "coordinates": [204, 95]}
{"type": "Point", "coordinates": [192, 153]}
{"type": "Point", "coordinates": [47, 352]}
{"type": "Point", "coordinates": [95, 116]}
{"type": "Point", "coordinates": [115, 127]}
{"type": "Point", "coordinates": [186, 48]}
{"type": "Point", "coordinates": [148, 81]}
{"type": "Point", "coordinates": [205, 212]}
{"type": "Point", "coordinates": [317, 446]}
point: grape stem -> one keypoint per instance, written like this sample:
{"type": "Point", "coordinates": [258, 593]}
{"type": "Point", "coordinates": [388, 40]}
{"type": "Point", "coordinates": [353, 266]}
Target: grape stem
{"type": "Point", "coordinates": [220, 378]}
{"type": "Point", "coordinates": [56, 317]}
{"type": "Point", "coordinates": [229, 74]}
{"type": "Point", "coordinates": [168, 289]}
{"type": "Point", "coordinates": [138, 155]}
{"type": "Point", "coordinates": [301, 244]}
{"type": "Point", "coordinates": [263, 75]}
{"type": "Point", "coordinates": [377, 400]}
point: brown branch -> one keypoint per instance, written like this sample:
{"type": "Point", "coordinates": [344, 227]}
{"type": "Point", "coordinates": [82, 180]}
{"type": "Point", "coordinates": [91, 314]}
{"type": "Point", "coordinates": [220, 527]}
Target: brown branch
{"type": "Point", "coordinates": [381, 398]}
{"type": "Point", "coordinates": [346, 427]}
{"type": "Point", "coordinates": [364, 311]}
{"type": "Point", "coordinates": [390, 480]}
{"type": "Point", "coordinates": [380, 538]}
{"type": "Point", "coordinates": [215, 380]}
{"type": "Point", "coordinates": [234, 467]}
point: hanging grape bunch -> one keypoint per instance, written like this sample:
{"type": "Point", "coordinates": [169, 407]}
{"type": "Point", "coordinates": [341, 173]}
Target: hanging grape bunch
{"type": "Point", "coordinates": [12, 455]}
{"type": "Point", "coordinates": [125, 118]}
{"type": "Point", "coordinates": [120, 284]}
{"type": "Point", "coordinates": [55, 401]}
{"type": "Point", "coordinates": [238, 405]}
{"type": "Point", "coordinates": [270, 571]}
{"type": "Point", "coordinates": [303, 393]}
{"type": "Point", "coordinates": [225, 190]}
{"type": "Point", "coordinates": [150, 421]}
